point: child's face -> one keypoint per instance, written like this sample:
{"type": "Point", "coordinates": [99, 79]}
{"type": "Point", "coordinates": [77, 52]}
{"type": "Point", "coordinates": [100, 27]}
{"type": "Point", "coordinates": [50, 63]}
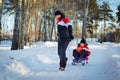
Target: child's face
{"type": "Point", "coordinates": [82, 44]}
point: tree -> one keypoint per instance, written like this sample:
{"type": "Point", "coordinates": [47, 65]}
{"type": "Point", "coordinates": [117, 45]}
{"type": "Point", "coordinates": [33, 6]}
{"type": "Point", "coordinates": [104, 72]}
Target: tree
{"type": "Point", "coordinates": [21, 25]}
{"type": "Point", "coordinates": [26, 14]}
{"type": "Point", "coordinates": [15, 34]}
{"type": "Point", "coordinates": [118, 21]}
{"type": "Point", "coordinates": [92, 19]}
{"type": "Point", "coordinates": [118, 14]}
{"type": "Point", "coordinates": [105, 15]}
{"type": "Point", "coordinates": [86, 9]}
{"type": "Point", "coordinates": [35, 18]}
{"type": "Point", "coordinates": [1, 2]}
{"type": "Point", "coordinates": [76, 31]}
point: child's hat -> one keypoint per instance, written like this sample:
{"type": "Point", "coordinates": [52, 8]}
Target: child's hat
{"type": "Point", "coordinates": [83, 41]}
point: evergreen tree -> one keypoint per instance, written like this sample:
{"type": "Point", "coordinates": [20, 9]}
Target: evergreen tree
{"type": "Point", "coordinates": [105, 15]}
{"type": "Point", "coordinates": [118, 14]}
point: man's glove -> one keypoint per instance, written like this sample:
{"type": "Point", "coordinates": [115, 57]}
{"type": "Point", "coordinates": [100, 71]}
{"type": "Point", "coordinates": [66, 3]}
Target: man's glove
{"type": "Point", "coordinates": [70, 32]}
{"type": "Point", "coordinates": [71, 37]}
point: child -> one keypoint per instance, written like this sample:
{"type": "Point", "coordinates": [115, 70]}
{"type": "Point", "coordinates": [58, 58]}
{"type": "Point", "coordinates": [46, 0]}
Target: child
{"type": "Point", "coordinates": [81, 52]}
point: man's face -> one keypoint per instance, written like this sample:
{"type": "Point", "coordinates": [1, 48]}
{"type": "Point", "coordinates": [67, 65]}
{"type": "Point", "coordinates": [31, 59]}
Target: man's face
{"type": "Point", "coordinates": [57, 16]}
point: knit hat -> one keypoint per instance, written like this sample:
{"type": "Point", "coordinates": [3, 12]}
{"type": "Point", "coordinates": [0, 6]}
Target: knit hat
{"type": "Point", "coordinates": [83, 41]}
{"type": "Point", "coordinates": [58, 12]}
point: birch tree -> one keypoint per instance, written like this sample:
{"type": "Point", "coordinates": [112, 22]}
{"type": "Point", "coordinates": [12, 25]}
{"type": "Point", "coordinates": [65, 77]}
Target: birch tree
{"type": "Point", "coordinates": [87, 4]}
{"type": "Point", "coordinates": [15, 34]}
{"type": "Point", "coordinates": [21, 24]}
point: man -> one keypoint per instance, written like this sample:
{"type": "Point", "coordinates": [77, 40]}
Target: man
{"type": "Point", "coordinates": [64, 37]}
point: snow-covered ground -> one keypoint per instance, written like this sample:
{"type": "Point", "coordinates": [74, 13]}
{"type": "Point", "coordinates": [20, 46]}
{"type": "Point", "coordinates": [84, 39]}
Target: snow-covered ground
{"type": "Point", "coordinates": [41, 62]}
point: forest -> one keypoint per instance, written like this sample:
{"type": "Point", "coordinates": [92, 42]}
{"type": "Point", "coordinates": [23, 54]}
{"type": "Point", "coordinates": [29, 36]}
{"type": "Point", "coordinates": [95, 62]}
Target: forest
{"type": "Point", "coordinates": [35, 21]}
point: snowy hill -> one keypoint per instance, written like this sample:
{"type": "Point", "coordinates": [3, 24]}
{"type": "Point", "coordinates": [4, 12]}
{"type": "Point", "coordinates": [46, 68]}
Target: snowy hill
{"type": "Point", "coordinates": [41, 63]}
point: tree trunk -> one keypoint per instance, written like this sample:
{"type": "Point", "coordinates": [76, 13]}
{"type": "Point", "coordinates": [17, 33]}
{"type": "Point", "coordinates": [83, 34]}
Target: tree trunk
{"type": "Point", "coordinates": [0, 30]}
{"type": "Point", "coordinates": [29, 31]}
{"type": "Point", "coordinates": [40, 34]}
{"type": "Point", "coordinates": [84, 28]}
{"type": "Point", "coordinates": [87, 4]}
{"type": "Point", "coordinates": [22, 32]}
{"type": "Point", "coordinates": [30, 36]}
{"type": "Point", "coordinates": [84, 19]}
{"type": "Point", "coordinates": [15, 33]}
{"type": "Point", "coordinates": [1, 3]}
{"type": "Point", "coordinates": [26, 21]}
{"type": "Point", "coordinates": [104, 30]}
{"type": "Point", "coordinates": [45, 31]}
{"type": "Point", "coordinates": [37, 23]}
{"type": "Point", "coordinates": [45, 27]}
{"type": "Point", "coordinates": [53, 25]}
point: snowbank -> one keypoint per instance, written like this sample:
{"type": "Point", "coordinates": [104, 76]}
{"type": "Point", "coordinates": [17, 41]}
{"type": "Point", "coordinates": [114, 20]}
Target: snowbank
{"type": "Point", "coordinates": [18, 67]}
{"type": "Point", "coordinates": [42, 62]}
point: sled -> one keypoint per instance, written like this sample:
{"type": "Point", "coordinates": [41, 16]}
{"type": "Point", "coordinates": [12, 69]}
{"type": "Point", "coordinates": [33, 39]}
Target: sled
{"type": "Point", "coordinates": [82, 61]}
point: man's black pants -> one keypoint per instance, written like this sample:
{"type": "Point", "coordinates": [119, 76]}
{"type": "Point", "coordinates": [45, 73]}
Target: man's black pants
{"type": "Point", "coordinates": [62, 46]}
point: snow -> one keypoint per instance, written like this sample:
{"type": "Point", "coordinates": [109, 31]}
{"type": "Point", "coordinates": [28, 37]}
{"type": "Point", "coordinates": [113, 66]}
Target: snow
{"type": "Point", "coordinates": [42, 62]}
{"type": "Point", "coordinates": [18, 67]}
{"type": "Point", "coordinates": [118, 27]}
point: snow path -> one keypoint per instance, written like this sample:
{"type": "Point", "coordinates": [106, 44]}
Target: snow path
{"type": "Point", "coordinates": [41, 63]}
